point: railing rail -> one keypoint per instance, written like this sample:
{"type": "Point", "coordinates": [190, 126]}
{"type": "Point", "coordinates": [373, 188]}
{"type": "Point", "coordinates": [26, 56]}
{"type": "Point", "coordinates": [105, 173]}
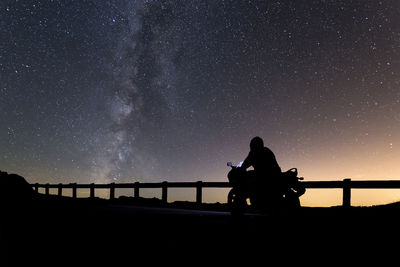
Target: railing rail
{"type": "Point", "coordinates": [346, 185]}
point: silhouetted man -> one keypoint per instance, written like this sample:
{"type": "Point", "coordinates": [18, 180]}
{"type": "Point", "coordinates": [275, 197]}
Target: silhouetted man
{"type": "Point", "coordinates": [266, 169]}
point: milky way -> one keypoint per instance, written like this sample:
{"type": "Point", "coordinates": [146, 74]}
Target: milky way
{"type": "Point", "coordinates": [125, 91]}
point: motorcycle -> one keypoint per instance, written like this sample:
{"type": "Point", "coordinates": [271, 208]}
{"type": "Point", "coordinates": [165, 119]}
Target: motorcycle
{"type": "Point", "coordinates": [279, 192]}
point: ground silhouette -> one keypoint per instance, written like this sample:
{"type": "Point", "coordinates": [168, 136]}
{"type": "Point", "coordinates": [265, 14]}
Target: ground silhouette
{"type": "Point", "coordinates": [50, 230]}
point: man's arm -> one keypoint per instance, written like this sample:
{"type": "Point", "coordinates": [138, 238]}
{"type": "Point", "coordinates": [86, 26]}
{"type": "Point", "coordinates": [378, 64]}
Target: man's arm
{"type": "Point", "coordinates": [247, 162]}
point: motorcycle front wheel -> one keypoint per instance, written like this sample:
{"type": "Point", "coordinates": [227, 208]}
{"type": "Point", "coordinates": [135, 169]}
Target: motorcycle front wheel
{"type": "Point", "coordinates": [236, 203]}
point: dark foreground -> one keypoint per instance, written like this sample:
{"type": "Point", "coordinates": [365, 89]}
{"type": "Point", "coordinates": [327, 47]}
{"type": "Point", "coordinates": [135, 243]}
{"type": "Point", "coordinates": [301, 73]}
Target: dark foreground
{"type": "Point", "coordinates": [92, 233]}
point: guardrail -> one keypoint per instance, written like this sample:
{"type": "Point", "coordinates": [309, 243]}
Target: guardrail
{"type": "Point", "coordinates": [346, 185]}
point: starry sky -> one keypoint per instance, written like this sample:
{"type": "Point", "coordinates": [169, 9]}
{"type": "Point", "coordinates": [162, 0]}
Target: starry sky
{"type": "Point", "coordinates": [124, 91]}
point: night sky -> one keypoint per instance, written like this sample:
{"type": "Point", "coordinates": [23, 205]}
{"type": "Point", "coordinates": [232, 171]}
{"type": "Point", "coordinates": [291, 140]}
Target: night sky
{"type": "Point", "coordinates": [125, 91]}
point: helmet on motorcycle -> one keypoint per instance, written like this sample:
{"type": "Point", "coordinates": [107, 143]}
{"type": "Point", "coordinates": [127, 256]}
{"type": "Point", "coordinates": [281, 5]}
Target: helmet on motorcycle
{"type": "Point", "coordinates": [256, 143]}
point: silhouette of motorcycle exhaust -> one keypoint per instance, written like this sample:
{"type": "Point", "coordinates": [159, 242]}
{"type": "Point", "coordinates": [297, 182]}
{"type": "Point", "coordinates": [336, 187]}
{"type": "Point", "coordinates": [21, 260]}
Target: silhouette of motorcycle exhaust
{"type": "Point", "coordinates": [264, 193]}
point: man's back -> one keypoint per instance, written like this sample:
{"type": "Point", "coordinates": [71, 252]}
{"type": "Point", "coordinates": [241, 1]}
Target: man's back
{"type": "Point", "coordinates": [263, 161]}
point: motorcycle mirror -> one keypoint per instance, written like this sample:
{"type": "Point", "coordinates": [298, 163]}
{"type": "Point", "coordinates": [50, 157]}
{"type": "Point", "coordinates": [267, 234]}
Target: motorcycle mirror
{"type": "Point", "coordinates": [229, 164]}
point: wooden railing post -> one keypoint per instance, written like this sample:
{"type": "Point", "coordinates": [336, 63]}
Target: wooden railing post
{"type": "Point", "coordinates": [112, 190]}
{"type": "Point", "coordinates": [199, 192]}
{"type": "Point", "coordinates": [164, 193]}
{"type": "Point", "coordinates": [74, 195]}
{"type": "Point", "coordinates": [60, 186]}
{"type": "Point", "coordinates": [92, 190]}
{"type": "Point", "coordinates": [346, 193]}
{"type": "Point", "coordinates": [136, 190]}
{"type": "Point", "coordinates": [46, 189]}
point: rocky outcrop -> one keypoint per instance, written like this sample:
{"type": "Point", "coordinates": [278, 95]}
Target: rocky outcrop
{"type": "Point", "coordinates": [14, 189]}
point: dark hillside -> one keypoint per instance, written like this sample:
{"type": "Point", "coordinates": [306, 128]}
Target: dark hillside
{"type": "Point", "coordinates": [95, 231]}
{"type": "Point", "coordinates": [51, 230]}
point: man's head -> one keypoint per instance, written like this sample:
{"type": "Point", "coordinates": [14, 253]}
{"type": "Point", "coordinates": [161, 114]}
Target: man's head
{"type": "Point", "coordinates": [256, 143]}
